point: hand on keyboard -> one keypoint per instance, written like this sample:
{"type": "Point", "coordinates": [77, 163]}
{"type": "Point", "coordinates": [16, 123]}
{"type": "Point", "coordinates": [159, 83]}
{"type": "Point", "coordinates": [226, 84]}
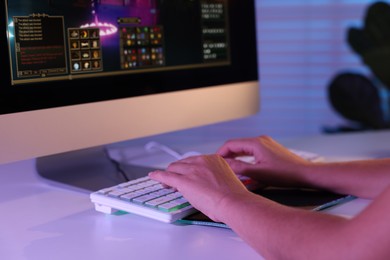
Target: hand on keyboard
{"type": "Point", "coordinates": [311, 157]}
{"type": "Point", "coordinates": [149, 198]}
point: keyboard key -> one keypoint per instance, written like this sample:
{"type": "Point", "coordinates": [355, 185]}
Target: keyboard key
{"type": "Point", "coordinates": [174, 205]}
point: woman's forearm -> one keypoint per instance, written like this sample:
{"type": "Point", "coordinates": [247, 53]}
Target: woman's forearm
{"type": "Point", "coordinates": [364, 179]}
{"type": "Point", "coordinates": [281, 232]}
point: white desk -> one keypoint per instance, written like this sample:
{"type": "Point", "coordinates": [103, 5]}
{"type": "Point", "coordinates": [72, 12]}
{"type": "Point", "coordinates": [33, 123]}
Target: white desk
{"type": "Point", "coordinates": [41, 221]}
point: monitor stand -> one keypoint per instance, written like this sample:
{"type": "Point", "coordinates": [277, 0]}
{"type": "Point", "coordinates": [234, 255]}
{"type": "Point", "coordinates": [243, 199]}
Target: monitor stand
{"type": "Point", "coordinates": [86, 170]}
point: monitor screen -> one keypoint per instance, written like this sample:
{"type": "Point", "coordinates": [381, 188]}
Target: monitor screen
{"type": "Point", "coordinates": [70, 40]}
{"type": "Point", "coordinates": [83, 73]}
{"type": "Point", "coordinates": [71, 52]}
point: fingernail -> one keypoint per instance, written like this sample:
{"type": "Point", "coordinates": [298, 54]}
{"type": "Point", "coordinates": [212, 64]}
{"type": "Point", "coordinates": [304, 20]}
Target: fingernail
{"type": "Point", "coordinates": [151, 173]}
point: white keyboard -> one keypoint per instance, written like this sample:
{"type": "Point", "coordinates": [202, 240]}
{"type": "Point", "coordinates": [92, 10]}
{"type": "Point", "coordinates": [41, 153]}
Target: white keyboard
{"type": "Point", "coordinates": [149, 198]}
{"type": "Point", "coordinates": [144, 197]}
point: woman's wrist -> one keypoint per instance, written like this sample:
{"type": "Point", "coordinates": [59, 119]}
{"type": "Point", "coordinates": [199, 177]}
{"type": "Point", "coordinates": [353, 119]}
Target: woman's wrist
{"type": "Point", "coordinates": [229, 206]}
{"type": "Point", "coordinates": [309, 174]}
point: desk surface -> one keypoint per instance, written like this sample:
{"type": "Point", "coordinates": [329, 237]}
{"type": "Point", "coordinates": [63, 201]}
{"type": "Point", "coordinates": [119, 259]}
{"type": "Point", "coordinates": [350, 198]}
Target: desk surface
{"type": "Point", "coordinates": [41, 221]}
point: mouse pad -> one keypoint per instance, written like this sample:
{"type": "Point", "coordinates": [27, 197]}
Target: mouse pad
{"type": "Point", "coordinates": [309, 199]}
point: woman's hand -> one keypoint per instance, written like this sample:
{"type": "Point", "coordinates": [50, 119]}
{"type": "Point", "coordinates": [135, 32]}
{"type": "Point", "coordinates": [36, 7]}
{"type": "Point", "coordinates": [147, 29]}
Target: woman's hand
{"type": "Point", "coordinates": [205, 181]}
{"type": "Point", "coordinates": [273, 163]}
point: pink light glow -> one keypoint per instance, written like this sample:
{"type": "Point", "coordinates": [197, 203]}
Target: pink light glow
{"type": "Point", "coordinates": [105, 29]}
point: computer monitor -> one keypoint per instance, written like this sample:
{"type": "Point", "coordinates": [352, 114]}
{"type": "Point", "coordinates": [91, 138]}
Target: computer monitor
{"type": "Point", "coordinates": [86, 73]}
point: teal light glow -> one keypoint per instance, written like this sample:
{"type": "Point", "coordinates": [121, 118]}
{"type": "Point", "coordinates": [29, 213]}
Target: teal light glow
{"type": "Point", "coordinates": [10, 28]}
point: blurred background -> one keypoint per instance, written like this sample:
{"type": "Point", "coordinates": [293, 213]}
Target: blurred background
{"type": "Point", "coordinates": [302, 47]}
